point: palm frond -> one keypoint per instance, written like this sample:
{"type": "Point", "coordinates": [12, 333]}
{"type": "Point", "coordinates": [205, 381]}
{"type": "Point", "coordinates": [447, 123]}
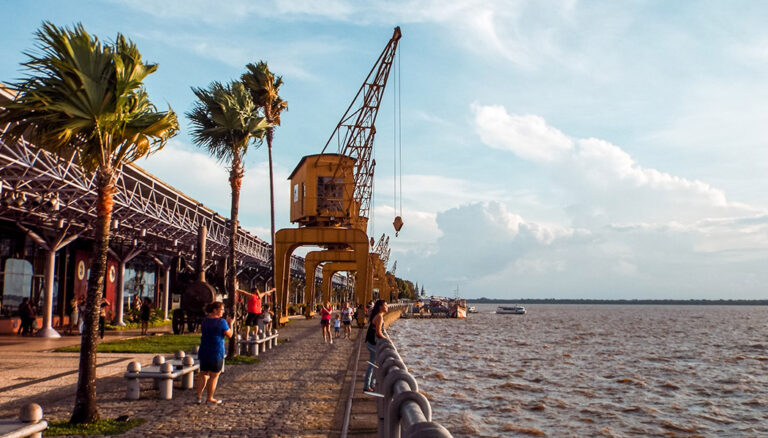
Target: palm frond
{"type": "Point", "coordinates": [264, 88]}
{"type": "Point", "coordinates": [225, 120]}
{"type": "Point", "coordinates": [86, 97]}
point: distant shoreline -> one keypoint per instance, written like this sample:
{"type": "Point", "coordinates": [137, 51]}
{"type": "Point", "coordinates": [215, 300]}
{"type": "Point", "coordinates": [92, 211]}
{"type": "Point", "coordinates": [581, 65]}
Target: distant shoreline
{"type": "Point", "coordinates": [629, 302]}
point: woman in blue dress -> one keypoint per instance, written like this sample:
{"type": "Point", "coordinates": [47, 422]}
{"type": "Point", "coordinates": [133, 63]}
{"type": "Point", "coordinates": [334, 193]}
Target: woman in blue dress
{"type": "Point", "coordinates": [215, 330]}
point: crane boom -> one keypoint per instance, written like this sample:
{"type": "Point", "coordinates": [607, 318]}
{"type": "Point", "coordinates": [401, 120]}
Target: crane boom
{"type": "Point", "coordinates": [355, 132]}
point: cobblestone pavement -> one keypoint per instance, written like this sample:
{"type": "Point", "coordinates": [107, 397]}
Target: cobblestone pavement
{"type": "Point", "coordinates": [294, 391]}
{"type": "Point", "coordinates": [29, 367]}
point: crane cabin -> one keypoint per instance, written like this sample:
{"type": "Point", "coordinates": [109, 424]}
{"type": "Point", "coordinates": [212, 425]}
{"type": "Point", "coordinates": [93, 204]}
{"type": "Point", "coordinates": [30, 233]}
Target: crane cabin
{"type": "Point", "coordinates": [322, 191]}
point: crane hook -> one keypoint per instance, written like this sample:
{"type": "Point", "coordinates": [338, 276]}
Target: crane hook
{"type": "Point", "coordinates": [398, 223]}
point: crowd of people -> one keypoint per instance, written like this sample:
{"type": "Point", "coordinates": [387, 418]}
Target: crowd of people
{"type": "Point", "coordinates": [374, 313]}
{"type": "Point", "coordinates": [28, 314]}
{"type": "Point", "coordinates": [216, 329]}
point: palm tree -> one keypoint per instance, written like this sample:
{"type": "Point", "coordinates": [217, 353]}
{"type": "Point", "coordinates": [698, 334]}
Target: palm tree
{"type": "Point", "coordinates": [264, 87]}
{"type": "Point", "coordinates": [225, 121]}
{"type": "Point", "coordinates": [85, 97]}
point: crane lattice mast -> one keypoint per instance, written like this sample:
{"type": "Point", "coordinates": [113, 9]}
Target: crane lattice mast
{"type": "Point", "coordinates": [355, 132]}
{"type": "Point", "coordinates": [382, 249]}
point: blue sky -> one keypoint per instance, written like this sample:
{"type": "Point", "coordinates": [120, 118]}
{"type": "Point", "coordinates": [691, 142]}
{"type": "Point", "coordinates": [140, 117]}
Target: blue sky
{"type": "Point", "coordinates": [550, 149]}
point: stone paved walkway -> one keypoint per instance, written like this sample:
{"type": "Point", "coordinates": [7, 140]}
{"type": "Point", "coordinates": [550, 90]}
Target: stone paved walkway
{"type": "Point", "coordinates": [294, 391]}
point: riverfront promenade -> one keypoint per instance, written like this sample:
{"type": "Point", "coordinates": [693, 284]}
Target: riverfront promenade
{"type": "Point", "coordinates": [299, 388]}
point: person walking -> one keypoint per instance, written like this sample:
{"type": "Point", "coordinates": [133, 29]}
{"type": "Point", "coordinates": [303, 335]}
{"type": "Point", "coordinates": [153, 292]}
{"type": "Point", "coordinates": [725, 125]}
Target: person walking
{"type": "Point", "coordinates": [103, 317]}
{"type": "Point", "coordinates": [374, 333]}
{"type": "Point", "coordinates": [214, 330]}
{"type": "Point", "coordinates": [325, 321]}
{"type": "Point", "coordinates": [80, 314]}
{"type": "Point", "coordinates": [346, 319]}
{"type": "Point", "coordinates": [74, 313]}
{"type": "Point", "coordinates": [27, 316]}
{"type": "Point", "coordinates": [136, 304]}
{"type": "Point", "coordinates": [145, 311]}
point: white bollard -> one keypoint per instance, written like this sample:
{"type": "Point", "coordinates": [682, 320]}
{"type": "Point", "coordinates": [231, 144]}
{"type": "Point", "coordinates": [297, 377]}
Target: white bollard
{"type": "Point", "coordinates": [133, 387]}
{"type": "Point", "coordinates": [188, 381]}
{"type": "Point", "coordinates": [263, 345]}
{"type": "Point", "coordinates": [157, 360]}
{"type": "Point", "coordinates": [31, 413]}
{"type": "Point", "coordinates": [166, 383]}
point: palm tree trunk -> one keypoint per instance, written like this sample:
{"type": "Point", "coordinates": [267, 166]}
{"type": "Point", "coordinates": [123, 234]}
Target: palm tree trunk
{"type": "Point", "coordinates": [270, 136]}
{"type": "Point", "coordinates": [86, 409]}
{"type": "Point", "coordinates": [235, 181]}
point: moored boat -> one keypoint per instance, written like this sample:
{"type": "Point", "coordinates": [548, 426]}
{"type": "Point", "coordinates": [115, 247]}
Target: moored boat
{"type": "Point", "coordinates": [511, 310]}
{"type": "Point", "coordinates": [472, 309]}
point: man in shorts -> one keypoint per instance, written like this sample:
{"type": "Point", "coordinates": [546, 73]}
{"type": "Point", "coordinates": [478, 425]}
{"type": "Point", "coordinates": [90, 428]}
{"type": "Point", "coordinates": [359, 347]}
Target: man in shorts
{"type": "Point", "coordinates": [253, 308]}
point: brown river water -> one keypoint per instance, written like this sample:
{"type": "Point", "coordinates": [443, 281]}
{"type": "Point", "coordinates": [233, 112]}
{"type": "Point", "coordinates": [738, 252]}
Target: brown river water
{"type": "Point", "coordinates": [594, 370]}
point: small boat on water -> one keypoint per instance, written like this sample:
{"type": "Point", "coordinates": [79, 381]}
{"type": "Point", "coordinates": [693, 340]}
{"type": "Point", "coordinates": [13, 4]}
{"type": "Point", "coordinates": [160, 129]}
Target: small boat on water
{"type": "Point", "coordinates": [511, 310]}
{"type": "Point", "coordinates": [472, 309]}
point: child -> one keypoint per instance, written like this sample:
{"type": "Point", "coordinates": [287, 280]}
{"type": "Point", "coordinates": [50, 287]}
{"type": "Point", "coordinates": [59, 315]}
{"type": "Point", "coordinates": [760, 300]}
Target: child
{"type": "Point", "coordinates": [266, 320]}
{"type": "Point", "coordinates": [336, 324]}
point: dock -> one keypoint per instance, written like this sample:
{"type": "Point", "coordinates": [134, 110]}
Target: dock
{"type": "Point", "coordinates": [425, 316]}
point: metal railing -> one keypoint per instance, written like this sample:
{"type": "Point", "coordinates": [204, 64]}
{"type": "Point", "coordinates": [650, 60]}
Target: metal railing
{"type": "Point", "coordinates": [403, 409]}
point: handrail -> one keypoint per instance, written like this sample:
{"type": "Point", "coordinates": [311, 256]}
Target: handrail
{"type": "Point", "coordinates": [403, 408]}
{"type": "Point", "coordinates": [348, 410]}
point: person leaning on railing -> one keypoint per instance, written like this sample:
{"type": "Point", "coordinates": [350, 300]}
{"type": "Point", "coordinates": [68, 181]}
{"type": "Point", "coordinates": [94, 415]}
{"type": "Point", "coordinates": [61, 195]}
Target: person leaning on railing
{"type": "Point", "coordinates": [374, 333]}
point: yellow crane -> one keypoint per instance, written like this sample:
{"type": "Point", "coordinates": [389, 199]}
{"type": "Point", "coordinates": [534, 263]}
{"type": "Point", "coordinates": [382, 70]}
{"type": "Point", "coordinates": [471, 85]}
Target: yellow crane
{"type": "Point", "coordinates": [331, 192]}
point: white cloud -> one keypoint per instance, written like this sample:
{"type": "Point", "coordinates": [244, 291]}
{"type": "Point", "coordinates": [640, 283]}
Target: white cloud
{"type": "Point", "coordinates": [635, 231]}
{"type": "Point", "coordinates": [289, 58]}
{"type": "Point", "coordinates": [477, 239]}
{"type": "Point", "coordinates": [527, 136]}
{"type": "Point", "coordinates": [604, 183]}
{"type": "Point", "coordinates": [419, 233]}
{"type": "Point", "coordinates": [378, 12]}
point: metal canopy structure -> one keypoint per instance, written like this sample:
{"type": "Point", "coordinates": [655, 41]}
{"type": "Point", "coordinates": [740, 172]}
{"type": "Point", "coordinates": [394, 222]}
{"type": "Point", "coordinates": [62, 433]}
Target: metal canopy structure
{"type": "Point", "coordinates": [49, 193]}
{"type": "Point", "coordinates": [41, 190]}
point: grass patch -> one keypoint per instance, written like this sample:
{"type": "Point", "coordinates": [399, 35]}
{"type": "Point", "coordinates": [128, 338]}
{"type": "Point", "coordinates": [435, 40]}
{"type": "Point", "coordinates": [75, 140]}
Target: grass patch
{"type": "Point", "coordinates": [243, 360]}
{"type": "Point", "coordinates": [135, 325]}
{"type": "Point", "coordinates": [149, 344]}
{"type": "Point", "coordinates": [101, 427]}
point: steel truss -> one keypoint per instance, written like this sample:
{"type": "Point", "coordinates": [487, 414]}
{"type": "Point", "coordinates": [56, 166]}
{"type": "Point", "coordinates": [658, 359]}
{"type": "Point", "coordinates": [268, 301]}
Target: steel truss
{"type": "Point", "coordinates": [40, 190]}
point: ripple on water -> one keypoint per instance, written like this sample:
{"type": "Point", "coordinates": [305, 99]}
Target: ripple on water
{"type": "Point", "coordinates": [669, 385]}
{"type": "Point", "coordinates": [519, 386]}
{"type": "Point", "coordinates": [631, 381]}
{"type": "Point", "coordinates": [675, 427]}
{"type": "Point", "coordinates": [436, 375]}
{"type": "Point", "coordinates": [509, 427]}
{"type": "Point", "coordinates": [469, 424]}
